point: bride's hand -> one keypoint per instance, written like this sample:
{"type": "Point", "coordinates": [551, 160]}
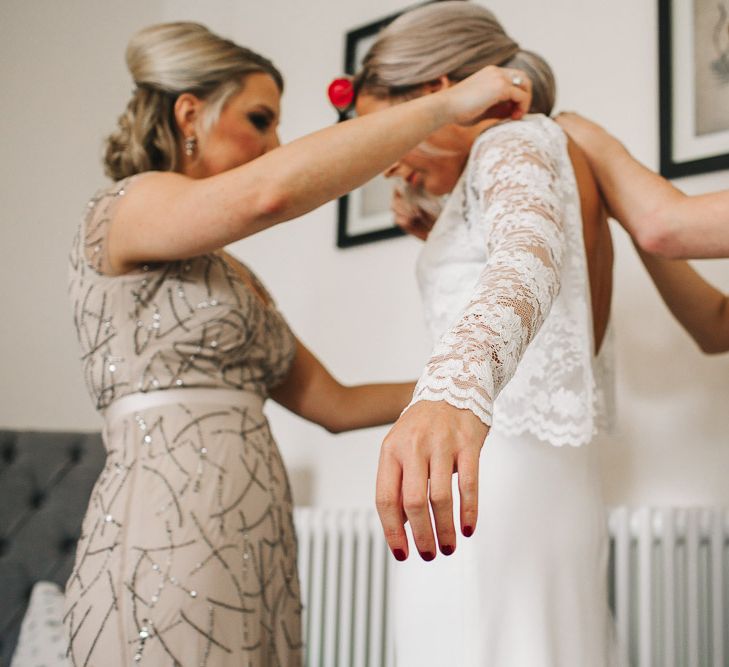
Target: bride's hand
{"type": "Point", "coordinates": [493, 92]}
{"type": "Point", "coordinates": [430, 441]}
{"type": "Point", "coordinates": [409, 217]}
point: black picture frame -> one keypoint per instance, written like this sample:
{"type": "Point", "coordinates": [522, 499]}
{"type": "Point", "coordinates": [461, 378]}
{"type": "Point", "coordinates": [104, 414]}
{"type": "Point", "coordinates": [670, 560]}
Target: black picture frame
{"type": "Point", "coordinates": [687, 147]}
{"type": "Point", "coordinates": [346, 236]}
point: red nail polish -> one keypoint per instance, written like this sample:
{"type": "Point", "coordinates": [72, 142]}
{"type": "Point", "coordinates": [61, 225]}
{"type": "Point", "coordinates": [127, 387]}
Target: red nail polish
{"type": "Point", "coordinates": [447, 550]}
{"type": "Point", "coordinates": [427, 555]}
{"type": "Point", "coordinates": [467, 531]}
{"type": "Point", "coordinates": [399, 554]}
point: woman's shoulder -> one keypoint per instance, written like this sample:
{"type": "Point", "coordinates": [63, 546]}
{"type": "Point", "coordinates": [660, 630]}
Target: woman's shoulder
{"type": "Point", "coordinates": [101, 207]}
{"type": "Point", "coordinates": [116, 189]}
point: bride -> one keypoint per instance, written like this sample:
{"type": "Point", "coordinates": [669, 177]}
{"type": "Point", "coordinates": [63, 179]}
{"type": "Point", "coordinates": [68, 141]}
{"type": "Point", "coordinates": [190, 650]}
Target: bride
{"type": "Point", "coordinates": [516, 281]}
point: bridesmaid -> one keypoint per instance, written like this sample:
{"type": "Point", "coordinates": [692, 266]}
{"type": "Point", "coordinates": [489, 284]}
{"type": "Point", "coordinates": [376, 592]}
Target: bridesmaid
{"type": "Point", "coordinates": [188, 552]}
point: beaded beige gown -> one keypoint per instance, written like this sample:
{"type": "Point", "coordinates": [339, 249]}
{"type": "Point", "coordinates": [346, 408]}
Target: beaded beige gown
{"type": "Point", "coordinates": [188, 551]}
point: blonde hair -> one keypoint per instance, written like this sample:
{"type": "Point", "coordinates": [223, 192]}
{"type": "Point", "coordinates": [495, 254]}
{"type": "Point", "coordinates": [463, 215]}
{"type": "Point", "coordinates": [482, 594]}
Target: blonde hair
{"type": "Point", "coordinates": [166, 60]}
{"type": "Point", "coordinates": [452, 38]}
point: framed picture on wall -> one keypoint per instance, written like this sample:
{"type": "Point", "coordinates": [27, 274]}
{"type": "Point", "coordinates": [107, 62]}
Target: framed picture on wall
{"type": "Point", "coordinates": [694, 86]}
{"type": "Point", "coordinates": [364, 214]}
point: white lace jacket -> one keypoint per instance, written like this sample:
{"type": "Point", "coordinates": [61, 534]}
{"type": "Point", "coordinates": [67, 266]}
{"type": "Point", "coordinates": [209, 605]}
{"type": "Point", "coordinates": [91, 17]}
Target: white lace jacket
{"type": "Point", "coordinates": [506, 292]}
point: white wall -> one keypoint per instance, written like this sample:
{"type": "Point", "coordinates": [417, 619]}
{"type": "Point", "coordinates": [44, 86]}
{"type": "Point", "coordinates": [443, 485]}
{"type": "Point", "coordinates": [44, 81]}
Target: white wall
{"type": "Point", "coordinates": [358, 309]}
{"type": "Point", "coordinates": [64, 83]}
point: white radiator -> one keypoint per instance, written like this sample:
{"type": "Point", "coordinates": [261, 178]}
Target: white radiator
{"type": "Point", "coordinates": [670, 586]}
{"type": "Point", "coordinates": [669, 579]}
{"type": "Point", "coordinates": [343, 568]}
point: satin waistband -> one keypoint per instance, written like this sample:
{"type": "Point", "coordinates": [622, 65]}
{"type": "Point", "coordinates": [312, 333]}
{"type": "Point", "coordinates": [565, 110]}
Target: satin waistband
{"type": "Point", "coordinates": [131, 403]}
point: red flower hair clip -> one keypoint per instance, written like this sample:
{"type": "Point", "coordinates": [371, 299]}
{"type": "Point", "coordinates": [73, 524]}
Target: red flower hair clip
{"type": "Point", "coordinates": [341, 95]}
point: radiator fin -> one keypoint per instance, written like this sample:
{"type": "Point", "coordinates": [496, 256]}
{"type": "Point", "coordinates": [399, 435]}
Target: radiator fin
{"type": "Point", "coordinates": [669, 587]}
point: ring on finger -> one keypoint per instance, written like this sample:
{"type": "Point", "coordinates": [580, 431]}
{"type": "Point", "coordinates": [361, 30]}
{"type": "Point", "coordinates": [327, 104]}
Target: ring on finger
{"type": "Point", "coordinates": [517, 80]}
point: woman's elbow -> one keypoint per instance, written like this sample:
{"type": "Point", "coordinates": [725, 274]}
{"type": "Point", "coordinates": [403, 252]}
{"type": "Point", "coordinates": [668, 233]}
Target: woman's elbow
{"type": "Point", "coordinates": [716, 341]}
{"type": "Point", "coordinates": [658, 232]}
{"type": "Point", "coordinates": [334, 427]}
{"type": "Point", "coordinates": [714, 345]}
{"type": "Point", "coordinates": [273, 203]}
{"type": "Point", "coordinates": [657, 237]}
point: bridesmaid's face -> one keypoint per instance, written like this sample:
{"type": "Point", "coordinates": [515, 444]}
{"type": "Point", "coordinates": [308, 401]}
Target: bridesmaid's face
{"type": "Point", "coordinates": [435, 165]}
{"type": "Point", "coordinates": [246, 129]}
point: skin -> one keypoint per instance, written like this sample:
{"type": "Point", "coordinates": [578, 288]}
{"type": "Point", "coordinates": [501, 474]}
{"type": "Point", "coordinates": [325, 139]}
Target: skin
{"type": "Point", "coordinates": [239, 181]}
{"type": "Point", "coordinates": [436, 163]}
{"type": "Point", "coordinates": [661, 219]}
{"type": "Point", "coordinates": [433, 440]}
{"type": "Point", "coordinates": [701, 309]}
{"type": "Point", "coordinates": [246, 129]}
{"type": "Point", "coordinates": [213, 208]}
{"type": "Point", "coordinates": [665, 224]}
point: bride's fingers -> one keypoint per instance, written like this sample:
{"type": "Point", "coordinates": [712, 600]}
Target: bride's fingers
{"type": "Point", "coordinates": [468, 489]}
{"type": "Point", "coordinates": [441, 500]}
{"type": "Point", "coordinates": [389, 505]}
{"type": "Point", "coordinates": [420, 229]}
{"type": "Point", "coordinates": [414, 225]}
{"type": "Point", "coordinates": [415, 503]}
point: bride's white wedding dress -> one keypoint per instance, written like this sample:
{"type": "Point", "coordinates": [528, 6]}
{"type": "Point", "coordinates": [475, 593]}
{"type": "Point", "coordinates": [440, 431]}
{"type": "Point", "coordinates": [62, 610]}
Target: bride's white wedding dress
{"type": "Point", "coordinates": [505, 287]}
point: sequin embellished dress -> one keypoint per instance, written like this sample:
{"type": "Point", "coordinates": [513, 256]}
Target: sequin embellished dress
{"type": "Point", "coordinates": [188, 551]}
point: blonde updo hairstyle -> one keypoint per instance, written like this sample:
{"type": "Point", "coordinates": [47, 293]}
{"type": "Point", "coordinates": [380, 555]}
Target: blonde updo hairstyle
{"type": "Point", "coordinates": [452, 38]}
{"type": "Point", "coordinates": [166, 60]}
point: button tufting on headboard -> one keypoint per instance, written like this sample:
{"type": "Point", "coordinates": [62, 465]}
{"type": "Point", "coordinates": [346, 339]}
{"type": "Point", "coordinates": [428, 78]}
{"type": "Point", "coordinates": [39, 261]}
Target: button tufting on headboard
{"type": "Point", "coordinates": [45, 483]}
{"type": "Point", "coordinates": [37, 499]}
{"type": "Point", "coordinates": [75, 453]}
{"type": "Point", "coordinates": [67, 545]}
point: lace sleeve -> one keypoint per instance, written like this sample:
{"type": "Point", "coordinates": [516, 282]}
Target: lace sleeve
{"type": "Point", "coordinates": [518, 213]}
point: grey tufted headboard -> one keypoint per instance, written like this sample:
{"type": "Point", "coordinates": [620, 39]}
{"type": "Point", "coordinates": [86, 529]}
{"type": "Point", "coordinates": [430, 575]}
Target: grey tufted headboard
{"type": "Point", "coordinates": [45, 483]}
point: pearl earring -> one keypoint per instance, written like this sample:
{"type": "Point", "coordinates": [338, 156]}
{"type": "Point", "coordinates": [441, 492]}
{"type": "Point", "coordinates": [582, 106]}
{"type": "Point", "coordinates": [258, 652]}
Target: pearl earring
{"type": "Point", "coordinates": [190, 145]}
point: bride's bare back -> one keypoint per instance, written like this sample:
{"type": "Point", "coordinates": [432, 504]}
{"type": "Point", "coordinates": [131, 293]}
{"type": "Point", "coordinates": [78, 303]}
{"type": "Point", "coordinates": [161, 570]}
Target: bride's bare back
{"type": "Point", "coordinates": [598, 242]}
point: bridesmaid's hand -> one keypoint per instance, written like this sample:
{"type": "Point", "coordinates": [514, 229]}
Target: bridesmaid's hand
{"type": "Point", "coordinates": [493, 92]}
{"type": "Point", "coordinates": [589, 136]}
{"type": "Point", "coordinates": [430, 442]}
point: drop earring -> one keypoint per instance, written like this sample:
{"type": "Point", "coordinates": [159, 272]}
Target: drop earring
{"type": "Point", "coordinates": [190, 145]}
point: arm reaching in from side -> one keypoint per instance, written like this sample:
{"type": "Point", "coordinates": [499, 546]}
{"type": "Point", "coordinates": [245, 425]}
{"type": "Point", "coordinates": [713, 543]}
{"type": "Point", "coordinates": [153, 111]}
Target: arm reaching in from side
{"type": "Point", "coordinates": [285, 183]}
{"type": "Point", "coordinates": [310, 391]}
{"type": "Point", "coordinates": [661, 219]}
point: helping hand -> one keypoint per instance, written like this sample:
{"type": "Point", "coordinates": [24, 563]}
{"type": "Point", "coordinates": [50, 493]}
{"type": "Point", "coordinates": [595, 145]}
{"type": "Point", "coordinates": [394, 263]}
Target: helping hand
{"type": "Point", "coordinates": [582, 131]}
{"type": "Point", "coordinates": [493, 92]}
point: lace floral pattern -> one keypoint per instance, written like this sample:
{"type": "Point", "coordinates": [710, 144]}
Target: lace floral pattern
{"type": "Point", "coordinates": [506, 292]}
